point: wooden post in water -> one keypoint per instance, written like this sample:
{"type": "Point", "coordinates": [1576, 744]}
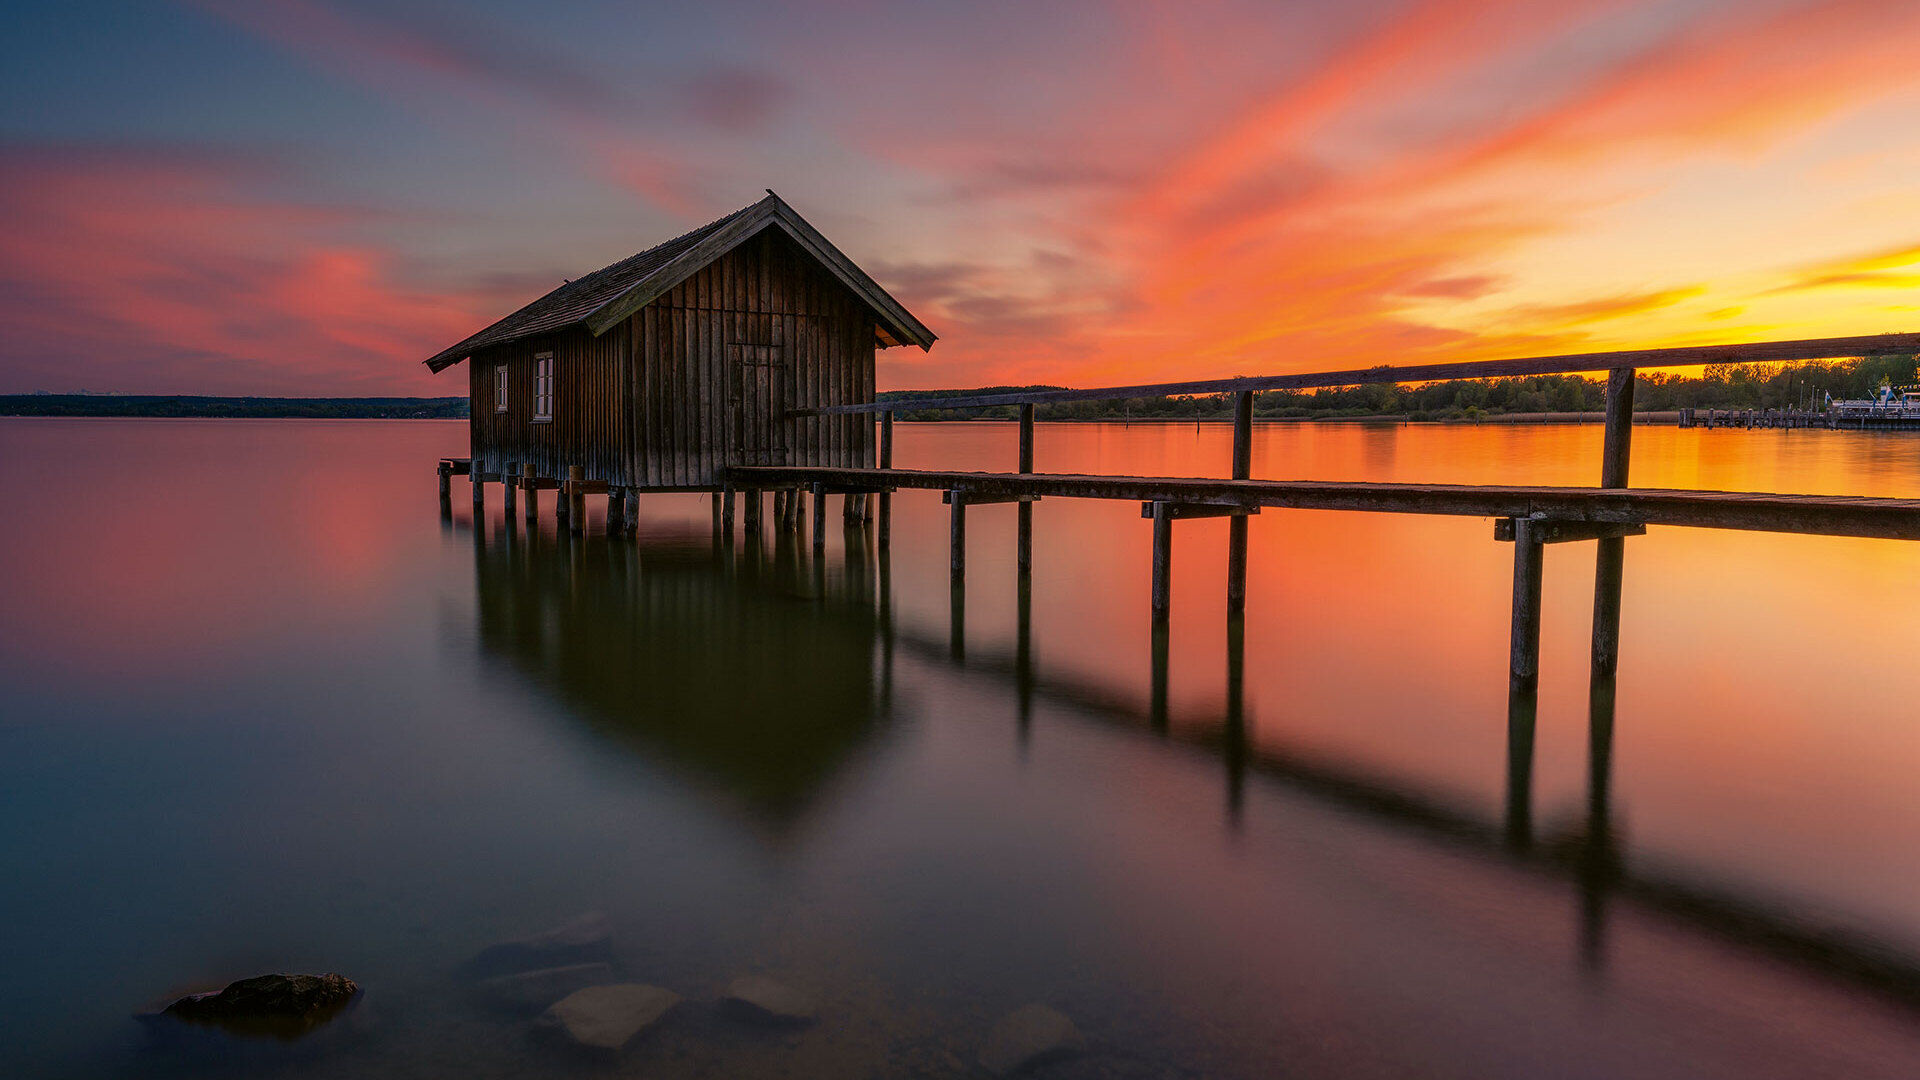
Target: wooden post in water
{"type": "Point", "coordinates": [726, 512]}
{"type": "Point", "coordinates": [819, 519]}
{"type": "Point", "coordinates": [632, 525]}
{"type": "Point", "coordinates": [478, 474]}
{"type": "Point", "coordinates": [1524, 670]}
{"type": "Point", "coordinates": [509, 481]}
{"type": "Point", "coordinates": [886, 495]}
{"type": "Point", "coordinates": [1523, 680]}
{"type": "Point", "coordinates": [533, 494]}
{"type": "Point", "coordinates": [1610, 557]}
{"type": "Point", "coordinates": [446, 481]}
{"type": "Point", "coordinates": [957, 535]}
{"type": "Point", "coordinates": [750, 520]}
{"type": "Point", "coordinates": [1162, 561]}
{"type": "Point", "coordinates": [1023, 557]}
{"type": "Point", "coordinates": [577, 498]}
{"type": "Point", "coordinates": [1237, 525]}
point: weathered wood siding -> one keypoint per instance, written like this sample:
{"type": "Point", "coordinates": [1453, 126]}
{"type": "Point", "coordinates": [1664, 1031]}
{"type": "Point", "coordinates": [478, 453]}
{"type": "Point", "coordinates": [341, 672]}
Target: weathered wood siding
{"type": "Point", "coordinates": [590, 405]}
{"type": "Point", "coordinates": [764, 303]}
{"type": "Point", "coordinates": [699, 379]}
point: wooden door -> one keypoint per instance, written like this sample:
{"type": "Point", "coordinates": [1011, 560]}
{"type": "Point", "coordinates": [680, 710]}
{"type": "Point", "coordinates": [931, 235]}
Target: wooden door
{"type": "Point", "coordinates": [757, 405]}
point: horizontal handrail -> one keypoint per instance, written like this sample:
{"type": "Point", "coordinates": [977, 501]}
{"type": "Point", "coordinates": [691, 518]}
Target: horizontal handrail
{"type": "Point", "coordinates": [1826, 515]}
{"type": "Point", "coordinates": [1569, 364]}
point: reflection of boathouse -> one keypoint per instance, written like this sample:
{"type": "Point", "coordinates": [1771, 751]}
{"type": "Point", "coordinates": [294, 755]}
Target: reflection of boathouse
{"type": "Point", "coordinates": [736, 680]}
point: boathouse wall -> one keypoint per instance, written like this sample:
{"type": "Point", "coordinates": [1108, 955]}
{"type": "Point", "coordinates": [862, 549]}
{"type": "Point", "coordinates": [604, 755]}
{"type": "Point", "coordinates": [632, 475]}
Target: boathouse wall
{"type": "Point", "coordinates": [701, 378]}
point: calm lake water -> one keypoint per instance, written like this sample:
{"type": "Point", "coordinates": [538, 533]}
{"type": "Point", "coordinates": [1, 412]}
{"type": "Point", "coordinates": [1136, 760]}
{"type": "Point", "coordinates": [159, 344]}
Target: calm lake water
{"type": "Point", "coordinates": [266, 710]}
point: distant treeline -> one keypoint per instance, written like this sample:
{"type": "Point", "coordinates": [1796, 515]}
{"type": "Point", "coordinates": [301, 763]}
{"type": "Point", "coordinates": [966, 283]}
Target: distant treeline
{"type": "Point", "coordinates": [234, 407]}
{"type": "Point", "coordinates": [1721, 386]}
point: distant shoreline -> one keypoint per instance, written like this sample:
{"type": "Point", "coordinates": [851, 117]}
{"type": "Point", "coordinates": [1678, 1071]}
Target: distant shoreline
{"type": "Point", "coordinates": [186, 406]}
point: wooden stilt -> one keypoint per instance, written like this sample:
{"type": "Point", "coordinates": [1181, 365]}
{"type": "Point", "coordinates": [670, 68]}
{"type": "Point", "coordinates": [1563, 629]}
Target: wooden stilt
{"type": "Point", "coordinates": [957, 535]}
{"type": "Point", "coordinates": [750, 522]}
{"type": "Point", "coordinates": [1524, 669]}
{"type": "Point", "coordinates": [632, 525]}
{"type": "Point", "coordinates": [726, 512]}
{"type": "Point", "coordinates": [576, 498]}
{"type": "Point", "coordinates": [616, 511]}
{"type": "Point", "coordinates": [446, 481]}
{"type": "Point", "coordinates": [509, 486]}
{"type": "Point", "coordinates": [479, 491]}
{"type": "Point", "coordinates": [1162, 561]}
{"type": "Point", "coordinates": [532, 493]}
{"type": "Point", "coordinates": [1610, 555]}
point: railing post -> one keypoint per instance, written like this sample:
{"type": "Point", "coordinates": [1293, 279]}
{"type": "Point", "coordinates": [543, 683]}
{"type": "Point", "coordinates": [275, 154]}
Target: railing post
{"type": "Point", "coordinates": [1162, 561]}
{"type": "Point", "coordinates": [1023, 555]}
{"type": "Point", "coordinates": [1610, 555]}
{"type": "Point", "coordinates": [1237, 525]}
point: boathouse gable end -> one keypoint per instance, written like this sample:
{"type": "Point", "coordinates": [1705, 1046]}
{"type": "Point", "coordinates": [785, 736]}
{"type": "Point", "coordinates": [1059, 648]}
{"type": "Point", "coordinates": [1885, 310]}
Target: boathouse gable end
{"type": "Point", "coordinates": [671, 365]}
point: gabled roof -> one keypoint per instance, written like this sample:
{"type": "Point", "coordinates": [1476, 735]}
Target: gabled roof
{"type": "Point", "coordinates": [605, 298]}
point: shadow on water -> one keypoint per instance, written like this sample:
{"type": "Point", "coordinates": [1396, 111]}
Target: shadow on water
{"type": "Point", "coordinates": [759, 670]}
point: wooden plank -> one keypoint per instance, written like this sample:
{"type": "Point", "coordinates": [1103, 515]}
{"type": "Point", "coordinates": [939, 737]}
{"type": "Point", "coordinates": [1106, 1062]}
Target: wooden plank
{"type": "Point", "coordinates": [1189, 511]}
{"type": "Point", "coordinates": [1573, 363]}
{"type": "Point", "coordinates": [1830, 515]}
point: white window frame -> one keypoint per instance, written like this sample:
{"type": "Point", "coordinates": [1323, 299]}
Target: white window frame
{"type": "Point", "coordinates": [543, 388]}
{"type": "Point", "coordinates": [500, 386]}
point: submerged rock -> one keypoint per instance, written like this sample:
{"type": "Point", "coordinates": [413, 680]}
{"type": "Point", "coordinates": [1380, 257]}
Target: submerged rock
{"type": "Point", "coordinates": [770, 1001]}
{"type": "Point", "coordinates": [531, 991]}
{"type": "Point", "coordinates": [1028, 1036]}
{"type": "Point", "coordinates": [607, 1017]}
{"type": "Point", "coordinates": [581, 940]}
{"type": "Point", "coordinates": [280, 1005]}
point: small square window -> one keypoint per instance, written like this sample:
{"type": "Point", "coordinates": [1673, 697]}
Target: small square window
{"type": "Point", "coordinates": [543, 386]}
{"type": "Point", "coordinates": [500, 388]}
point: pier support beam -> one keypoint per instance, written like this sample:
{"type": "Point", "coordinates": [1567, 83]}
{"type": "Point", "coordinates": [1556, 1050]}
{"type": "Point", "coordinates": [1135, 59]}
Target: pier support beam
{"type": "Point", "coordinates": [886, 494]}
{"type": "Point", "coordinates": [726, 513]}
{"type": "Point", "coordinates": [533, 493]}
{"type": "Point", "coordinates": [576, 498]}
{"type": "Point", "coordinates": [1523, 680]}
{"type": "Point", "coordinates": [479, 492]}
{"type": "Point", "coordinates": [509, 485]}
{"type": "Point", "coordinates": [1162, 562]}
{"type": "Point", "coordinates": [750, 521]}
{"type": "Point", "coordinates": [1237, 527]}
{"type": "Point", "coordinates": [957, 536]}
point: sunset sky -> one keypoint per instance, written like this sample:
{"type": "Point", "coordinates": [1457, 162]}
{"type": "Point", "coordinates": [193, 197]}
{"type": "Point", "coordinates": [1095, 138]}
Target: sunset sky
{"type": "Point", "coordinates": [311, 196]}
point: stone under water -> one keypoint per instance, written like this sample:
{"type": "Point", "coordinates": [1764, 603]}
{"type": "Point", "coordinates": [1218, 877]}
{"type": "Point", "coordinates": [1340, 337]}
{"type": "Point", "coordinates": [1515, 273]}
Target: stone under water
{"type": "Point", "coordinates": [607, 1017]}
{"type": "Point", "coordinates": [770, 1000]}
{"type": "Point", "coordinates": [578, 941]}
{"type": "Point", "coordinates": [1028, 1036]}
{"type": "Point", "coordinates": [531, 991]}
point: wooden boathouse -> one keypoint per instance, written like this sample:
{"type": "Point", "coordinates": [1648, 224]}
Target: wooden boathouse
{"type": "Point", "coordinates": [658, 372]}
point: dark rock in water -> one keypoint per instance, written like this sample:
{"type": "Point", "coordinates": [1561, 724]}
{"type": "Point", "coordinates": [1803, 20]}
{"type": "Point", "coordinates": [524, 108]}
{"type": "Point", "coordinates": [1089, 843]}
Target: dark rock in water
{"type": "Point", "coordinates": [580, 941]}
{"type": "Point", "coordinates": [531, 991]}
{"type": "Point", "coordinates": [283, 1006]}
{"type": "Point", "coordinates": [1028, 1036]}
{"type": "Point", "coordinates": [760, 998]}
{"type": "Point", "coordinates": [606, 1018]}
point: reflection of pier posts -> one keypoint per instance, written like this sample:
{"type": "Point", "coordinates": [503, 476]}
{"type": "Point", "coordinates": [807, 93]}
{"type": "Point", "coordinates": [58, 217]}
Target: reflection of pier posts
{"type": "Point", "coordinates": [1157, 711]}
{"type": "Point", "coordinates": [1023, 648]}
{"type": "Point", "coordinates": [1523, 679]}
{"type": "Point", "coordinates": [1598, 859]}
{"type": "Point", "coordinates": [1233, 732]}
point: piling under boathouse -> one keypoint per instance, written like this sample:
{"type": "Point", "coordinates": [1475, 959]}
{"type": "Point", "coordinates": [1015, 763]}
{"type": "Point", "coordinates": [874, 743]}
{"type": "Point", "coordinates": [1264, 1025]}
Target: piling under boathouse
{"type": "Point", "coordinates": [707, 351]}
